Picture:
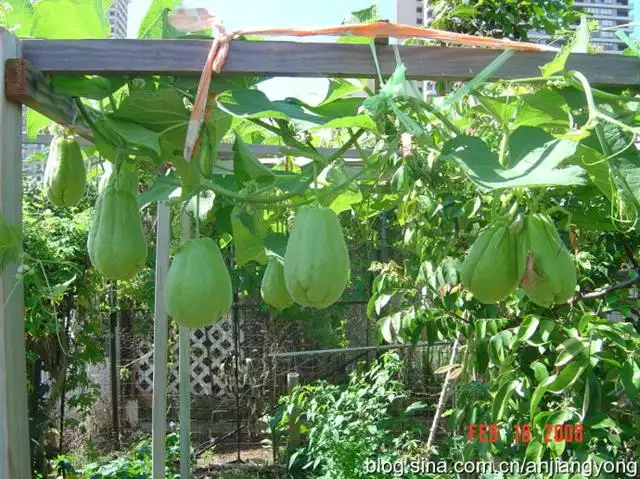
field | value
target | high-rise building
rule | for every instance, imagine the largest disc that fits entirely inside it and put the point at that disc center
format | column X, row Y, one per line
column 118, row 17
column 609, row 14
column 411, row 12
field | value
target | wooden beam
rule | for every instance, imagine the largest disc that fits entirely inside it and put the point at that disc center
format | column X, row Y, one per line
column 27, row 85
column 15, row 462
column 302, row 59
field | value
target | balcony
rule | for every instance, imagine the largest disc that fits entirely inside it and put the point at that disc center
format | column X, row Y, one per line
column 612, row 6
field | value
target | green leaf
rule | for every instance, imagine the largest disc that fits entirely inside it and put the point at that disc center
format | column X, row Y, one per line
column 246, row 165
column 544, row 108
column 163, row 188
column 502, row 398
column 630, row 377
column 249, row 231
column 578, row 44
column 534, row 451
column 537, row 168
column 94, row 87
column 254, row 104
column 390, row 327
column 345, row 200
column 568, row 376
column 153, row 24
column 162, row 111
column 536, row 397
column 400, row 179
column 480, row 78
column 359, row 121
column 569, row 350
column 59, row 289
column 36, row 122
column 498, row 347
column 19, row 17
column 11, row 238
column 275, row 245
column 82, row 19
column 415, row 407
column 132, row 133
column 583, row 36
column 528, row 328
column 202, row 205
column 539, row 371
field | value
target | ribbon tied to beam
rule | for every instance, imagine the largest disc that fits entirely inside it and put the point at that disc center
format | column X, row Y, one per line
column 201, row 19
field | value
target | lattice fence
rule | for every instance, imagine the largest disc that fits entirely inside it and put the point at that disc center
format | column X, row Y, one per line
column 210, row 347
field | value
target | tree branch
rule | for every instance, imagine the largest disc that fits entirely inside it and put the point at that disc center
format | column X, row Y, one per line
column 616, row 287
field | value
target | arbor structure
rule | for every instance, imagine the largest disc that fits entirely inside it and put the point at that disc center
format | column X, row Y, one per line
column 22, row 74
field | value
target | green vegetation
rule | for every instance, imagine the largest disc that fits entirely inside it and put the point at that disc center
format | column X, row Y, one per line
column 548, row 338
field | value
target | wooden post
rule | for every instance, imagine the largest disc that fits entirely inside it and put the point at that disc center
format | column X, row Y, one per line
column 185, row 380
column 15, row 462
column 160, row 345
column 294, row 426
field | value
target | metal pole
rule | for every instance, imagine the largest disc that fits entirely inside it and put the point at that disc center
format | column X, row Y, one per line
column 185, row 380
column 160, row 345
column 113, row 366
column 425, row 5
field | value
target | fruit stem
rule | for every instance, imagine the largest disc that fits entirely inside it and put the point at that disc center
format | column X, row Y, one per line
column 315, row 183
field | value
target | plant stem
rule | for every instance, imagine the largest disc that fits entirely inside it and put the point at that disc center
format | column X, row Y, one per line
column 443, row 395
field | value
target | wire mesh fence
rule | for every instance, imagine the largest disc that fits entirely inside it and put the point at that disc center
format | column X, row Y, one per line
column 239, row 370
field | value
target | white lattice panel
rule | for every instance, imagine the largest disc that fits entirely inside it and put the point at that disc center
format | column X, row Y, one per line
column 210, row 347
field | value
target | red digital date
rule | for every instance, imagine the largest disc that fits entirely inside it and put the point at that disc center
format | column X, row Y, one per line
column 489, row 433
column 552, row 433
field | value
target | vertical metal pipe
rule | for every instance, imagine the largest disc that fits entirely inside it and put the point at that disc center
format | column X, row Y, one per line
column 160, row 345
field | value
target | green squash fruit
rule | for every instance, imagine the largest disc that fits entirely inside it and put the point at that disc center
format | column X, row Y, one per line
column 117, row 245
column 273, row 288
column 316, row 262
column 495, row 263
column 65, row 176
column 197, row 290
column 551, row 273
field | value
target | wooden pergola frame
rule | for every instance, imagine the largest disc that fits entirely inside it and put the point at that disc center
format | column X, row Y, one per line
column 22, row 73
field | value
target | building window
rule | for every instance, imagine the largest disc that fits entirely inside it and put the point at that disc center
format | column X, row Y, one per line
column 419, row 21
column 419, row 9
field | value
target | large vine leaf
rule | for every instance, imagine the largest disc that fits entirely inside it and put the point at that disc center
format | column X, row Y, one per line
column 94, row 87
column 82, row 19
column 246, row 165
column 154, row 24
column 19, row 17
column 543, row 108
column 538, row 167
column 163, row 188
column 36, row 122
column 162, row 111
column 275, row 246
column 133, row 133
column 249, row 231
column 253, row 104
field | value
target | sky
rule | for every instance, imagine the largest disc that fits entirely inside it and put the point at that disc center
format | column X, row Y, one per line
column 238, row 14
